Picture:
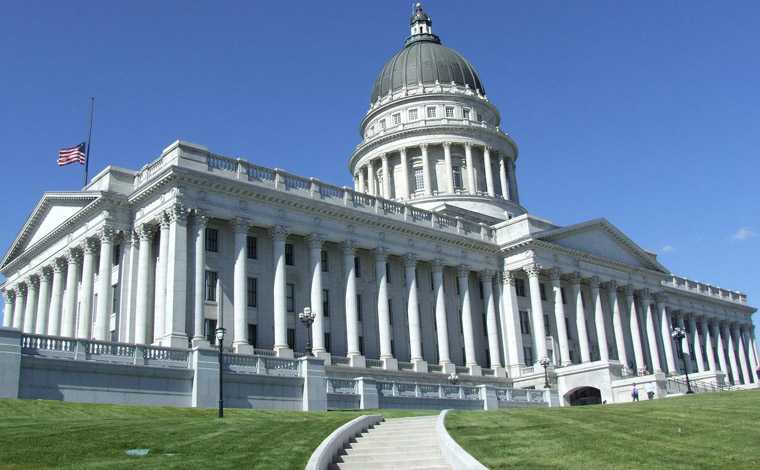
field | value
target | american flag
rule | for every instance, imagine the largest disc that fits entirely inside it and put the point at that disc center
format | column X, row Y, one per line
column 71, row 155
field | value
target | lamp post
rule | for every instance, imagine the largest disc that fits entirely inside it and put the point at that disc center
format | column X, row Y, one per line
column 544, row 361
column 307, row 318
column 453, row 378
column 220, row 337
column 678, row 335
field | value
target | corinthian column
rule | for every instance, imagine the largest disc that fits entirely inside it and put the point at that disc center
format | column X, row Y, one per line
column 503, row 177
column 68, row 326
column 315, row 241
column 741, row 352
column 362, row 182
column 471, row 182
column 489, row 171
column 279, row 234
column 142, row 332
column 537, row 310
column 449, row 167
column 444, row 356
column 638, row 349
column 486, row 280
column 559, row 317
column 714, row 328
column 513, row 345
column 514, row 195
column 708, row 343
column 404, row 173
column 580, row 317
column 201, row 219
column 695, row 341
column 33, row 286
column 463, row 274
column 240, row 228
column 386, row 176
column 175, row 326
column 43, row 302
column 56, row 298
column 10, row 300
column 685, row 352
column 371, row 178
column 103, row 315
column 19, row 306
column 159, row 300
column 383, row 315
column 731, row 351
column 415, row 336
column 646, row 307
column 617, row 323
column 667, row 339
column 426, row 170
column 601, row 331
column 352, row 316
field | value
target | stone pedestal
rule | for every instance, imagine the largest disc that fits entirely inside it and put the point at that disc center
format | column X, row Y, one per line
column 367, row 388
column 488, row 395
column 10, row 361
column 390, row 363
column 449, row 368
column 205, row 363
column 245, row 349
column 312, row 369
column 283, row 352
column 420, row 366
column 475, row 370
column 357, row 361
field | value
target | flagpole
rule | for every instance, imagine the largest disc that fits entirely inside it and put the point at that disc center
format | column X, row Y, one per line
column 89, row 137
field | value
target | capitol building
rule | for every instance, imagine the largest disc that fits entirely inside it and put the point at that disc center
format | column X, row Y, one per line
column 429, row 274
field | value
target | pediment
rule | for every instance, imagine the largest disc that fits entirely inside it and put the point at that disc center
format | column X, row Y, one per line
column 600, row 238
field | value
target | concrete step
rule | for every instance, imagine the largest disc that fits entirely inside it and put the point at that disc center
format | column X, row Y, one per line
column 399, row 435
column 362, row 450
column 381, row 441
column 418, row 464
column 386, row 456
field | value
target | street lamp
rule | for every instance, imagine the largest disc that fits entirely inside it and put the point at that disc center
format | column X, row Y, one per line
column 220, row 337
column 544, row 361
column 453, row 378
column 678, row 335
column 307, row 318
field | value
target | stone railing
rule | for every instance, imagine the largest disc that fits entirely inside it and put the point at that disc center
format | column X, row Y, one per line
column 705, row 289
column 342, row 386
column 407, row 389
column 405, row 365
column 264, row 365
column 520, row 394
column 374, row 363
column 340, row 361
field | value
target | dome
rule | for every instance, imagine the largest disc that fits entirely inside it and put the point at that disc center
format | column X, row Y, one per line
column 426, row 60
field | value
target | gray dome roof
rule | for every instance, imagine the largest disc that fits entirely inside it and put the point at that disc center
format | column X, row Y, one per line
column 425, row 59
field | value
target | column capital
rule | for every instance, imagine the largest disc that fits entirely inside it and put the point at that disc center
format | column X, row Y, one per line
column 33, row 282
column 46, row 273
column 90, row 246
column 555, row 274
column 200, row 217
column 660, row 297
column 643, row 294
column 744, row 327
column 240, row 225
column 21, row 290
column 629, row 290
column 468, row 145
column 74, row 256
column 575, row 278
column 59, row 265
column 381, row 254
column 384, row 157
column 508, row 277
column 446, row 145
column 402, row 151
column 734, row 325
column 349, row 247
column 146, row 232
column 610, row 286
column 163, row 220
column 533, row 270
column 279, row 233
column 107, row 234
column 701, row 318
column 9, row 294
column 315, row 240
column 409, row 260
column 487, row 148
column 486, row 275
column 724, row 324
column 424, row 146
column 437, row 265
column 594, row 282
column 463, row 271
column 688, row 316
column 712, row 321
column 130, row 237
column 177, row 213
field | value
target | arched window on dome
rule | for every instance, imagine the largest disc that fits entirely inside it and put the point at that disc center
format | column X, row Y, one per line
column 456, row 176
column 419, row 180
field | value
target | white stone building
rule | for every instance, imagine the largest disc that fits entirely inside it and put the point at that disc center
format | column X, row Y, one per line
column 429, row 265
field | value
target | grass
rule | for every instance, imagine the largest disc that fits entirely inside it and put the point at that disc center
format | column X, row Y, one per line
column 55, row 435
column 710, row 431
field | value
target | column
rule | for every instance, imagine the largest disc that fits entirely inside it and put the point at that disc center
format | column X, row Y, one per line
column 696, row 343
column 463, row 274
column 513, row 345
column 200, row 220
column 714, row 327
column 383, row 315
column 667, row 340
column 537, row 311
column 486, row 281
column 646, row 307
column 404, row 173
column 33, row 289
column 43, row 302
column 559, row 316
column 128, row 288
column 685, row 344
column 10, row 300
column 146, row 234
column 371, row 178
column 175, row 326
column 472, row 187
column 413, row 313
column 489, row 171
column 19, row 306
column 362, row 182
column 580, row 317
column 753, row 353
column 426, row 170
column 449, row 167
column 444, row 356
column 731, row 351
column 103, row 308
column 68, row 325
column 279, row 233
column 617, row 323
column 56, row 298
column 352, row 316
column 386, row 176
column 315, row 241
column 638, row 349
column 708, row 342
column 514, row 195
column 240, row 228
column 601, row 331
column 503, row 177
column 740, row 351
column 159, row 302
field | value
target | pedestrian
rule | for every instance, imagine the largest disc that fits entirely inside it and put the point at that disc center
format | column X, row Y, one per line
column 634, row 393
column 650, row 390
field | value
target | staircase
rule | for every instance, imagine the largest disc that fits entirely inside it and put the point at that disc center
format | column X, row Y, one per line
column 403, row 443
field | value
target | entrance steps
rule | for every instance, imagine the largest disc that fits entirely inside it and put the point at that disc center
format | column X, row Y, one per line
column 402, row 443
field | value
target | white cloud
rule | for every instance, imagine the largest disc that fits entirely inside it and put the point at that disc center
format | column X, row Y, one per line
column 667, row 249
column 743, row 234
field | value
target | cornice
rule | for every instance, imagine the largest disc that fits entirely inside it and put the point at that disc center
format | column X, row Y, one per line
column 674, row 293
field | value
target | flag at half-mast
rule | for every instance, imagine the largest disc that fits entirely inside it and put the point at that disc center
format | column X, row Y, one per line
column 72, row 155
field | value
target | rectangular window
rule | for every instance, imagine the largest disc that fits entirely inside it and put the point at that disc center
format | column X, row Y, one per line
column 413, row 114
column 326, row 302
column 116, row 255
column 542, row 288
column 357, row 267
column 419, row 180
column 456, row 174
column 289, row 254
column 465, row 114
column 359, row 307
column 449, row 111
column 431, row 112
column 290, row 292
column 253, row 292
column 212, row 239
column 396, row 119
column 209, row 332
column 382, row 124
column 291, row 338
column 252, row 247
column 480, row 118
column 562, row 292
column 524, row 322
column 253, row 335
column 528, row 353
column 211, row 277
column 325, row 262
column 115, row 297
column 520, row 287
column 327, row 342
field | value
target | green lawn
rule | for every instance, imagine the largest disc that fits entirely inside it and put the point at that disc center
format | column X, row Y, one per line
column 56, row 435
column 710, row 431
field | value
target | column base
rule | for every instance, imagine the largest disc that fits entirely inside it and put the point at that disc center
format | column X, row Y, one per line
column 357, row 360
column 475, row 370
column 420, row 365
column 513, row 370
column 448, row 368
column 243, row 348
column 390, row 363
column 499, row 372
column 285, row 352
column 175, row 340
column 201, row 342
column 324, row 355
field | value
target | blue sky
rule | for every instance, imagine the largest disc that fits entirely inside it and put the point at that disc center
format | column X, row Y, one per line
column 646, row 113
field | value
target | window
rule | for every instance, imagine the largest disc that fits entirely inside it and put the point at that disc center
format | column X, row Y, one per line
column 480, row 118
column 253, row 292
column 289, row 254
column 115, row 297
column 456, row 174
column 252, row 247
column 290, row 290
column 209, row 327
column 449, row 111
column 396, row 119
column 520, row 287
column 357, row 267
column 524, row 323
column 291, row 338
column 327, row 342
column 212, row 239
column 325, row 263
column 562, row 292
column 431, row 112
column 358, row 307
column 326, row 302
column 542, row 288
column 413, row 114
column 116, row 253
column 253, row 335
column 546, row 325
column 211, row 278
column 388, row 273
column 382, row 124
column 465, row 114
column 528, row 353
column 419, row 181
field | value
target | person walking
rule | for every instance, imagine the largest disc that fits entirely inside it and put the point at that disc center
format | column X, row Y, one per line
column 650, row 390
column 634, row 393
